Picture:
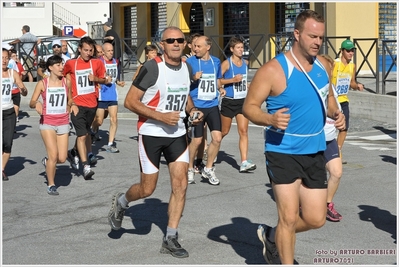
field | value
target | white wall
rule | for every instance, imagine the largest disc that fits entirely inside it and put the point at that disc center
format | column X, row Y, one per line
column 40, row 18
column 88, row 12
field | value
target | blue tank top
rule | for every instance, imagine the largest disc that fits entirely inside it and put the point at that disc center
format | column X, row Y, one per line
column 108, row 92
column 239, row 89
column 304, row 134
column 204, row 92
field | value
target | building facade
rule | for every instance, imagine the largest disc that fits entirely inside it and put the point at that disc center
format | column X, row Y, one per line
column 265, row 26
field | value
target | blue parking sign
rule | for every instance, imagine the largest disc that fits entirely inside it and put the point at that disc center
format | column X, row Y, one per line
column 68, row 30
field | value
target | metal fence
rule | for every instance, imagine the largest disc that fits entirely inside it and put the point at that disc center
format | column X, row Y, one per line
column 260, row 49
column 386, row 48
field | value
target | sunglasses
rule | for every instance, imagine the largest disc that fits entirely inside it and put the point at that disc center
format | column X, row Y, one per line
column 350, row 50
column 172, row 40
column 56, row 46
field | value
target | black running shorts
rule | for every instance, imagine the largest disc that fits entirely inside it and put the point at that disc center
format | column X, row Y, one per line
column 16, row 99
column 345, row 110
column 83, row 120
column 286, row 169
column 211, row 118
column 231, row 107
column 151, row 147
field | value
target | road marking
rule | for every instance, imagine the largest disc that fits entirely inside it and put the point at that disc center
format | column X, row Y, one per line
column 381, row 142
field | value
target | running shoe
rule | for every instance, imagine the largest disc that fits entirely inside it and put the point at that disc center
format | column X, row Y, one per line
column 270, row 252
column 205, row 156
column 171, row 246
column 191, row 176
column 112, row 149
column 92, row 159
column 332, row 214
column 211, row 176
column 44, row 161
column 74, row 160
column 247, row 166
column 5, row 177
column 199, row 167
column 87, row 172
column 116, row 213
column 52, row 190
column 95, row 137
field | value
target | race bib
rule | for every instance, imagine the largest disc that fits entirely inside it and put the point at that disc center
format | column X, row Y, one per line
column 56, row 100
column 207, row 87
column 240, row 88
column 83, row 85
column 112, row 70
column 6, row 90
column 343, row 84
column 176, row 99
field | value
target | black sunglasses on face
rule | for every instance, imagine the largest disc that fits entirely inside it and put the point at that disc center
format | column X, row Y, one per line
column 172, row 40
column 56, row 46
column 351, row 50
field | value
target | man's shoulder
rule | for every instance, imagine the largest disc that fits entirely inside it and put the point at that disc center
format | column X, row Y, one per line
column 215, row 59
column 191, row 60
column 65, row 57
column 151, row 64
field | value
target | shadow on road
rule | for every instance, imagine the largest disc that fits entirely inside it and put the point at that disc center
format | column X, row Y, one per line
column 239, row 235
column 382, row 219
column 143, row 216
column 387, row 158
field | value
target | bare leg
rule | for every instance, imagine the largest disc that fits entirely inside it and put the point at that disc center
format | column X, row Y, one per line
column 193, row 148
column 334, row 167
column 242, row 124
column 113, row 112
column 178, row 179
column 81, row 145
column 313, row 215
column 213, row 148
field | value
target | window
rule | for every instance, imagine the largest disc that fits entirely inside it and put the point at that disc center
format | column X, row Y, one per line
column 158, row 18
column 23, row 4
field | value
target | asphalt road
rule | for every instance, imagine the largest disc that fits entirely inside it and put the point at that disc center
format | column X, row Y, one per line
column 219, row 222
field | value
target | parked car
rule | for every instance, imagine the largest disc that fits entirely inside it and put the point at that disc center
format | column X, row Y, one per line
column 19, row 50
column 45, row 47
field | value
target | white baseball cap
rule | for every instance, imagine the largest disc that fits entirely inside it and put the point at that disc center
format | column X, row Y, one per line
column 56, row 42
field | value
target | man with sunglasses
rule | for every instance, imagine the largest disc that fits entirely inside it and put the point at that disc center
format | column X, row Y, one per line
column 344, row 77
column 160, row 96
column 57, row 50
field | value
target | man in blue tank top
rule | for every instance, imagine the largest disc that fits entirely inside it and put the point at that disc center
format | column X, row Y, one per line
column 298, row 96
column 205, row 91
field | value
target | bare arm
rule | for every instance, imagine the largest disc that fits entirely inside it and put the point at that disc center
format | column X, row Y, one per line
column 355, row 85
column 71, row 104
column 235, row 79
column 40, row 72
column 134, row 104
column 15, row 42
column 262, row 85
column 19, row 83
column 34, row 101
column 333, row 110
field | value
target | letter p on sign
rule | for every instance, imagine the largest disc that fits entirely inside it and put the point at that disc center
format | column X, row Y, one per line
column 68, row 30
